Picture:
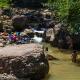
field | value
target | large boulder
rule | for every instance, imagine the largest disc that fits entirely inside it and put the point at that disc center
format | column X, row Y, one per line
column 19, row 22
column 24, row 61
column 50, row 35
column 62, row 37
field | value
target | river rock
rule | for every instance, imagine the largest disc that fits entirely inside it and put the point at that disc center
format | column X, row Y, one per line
column 19, row 22
column 24, row 61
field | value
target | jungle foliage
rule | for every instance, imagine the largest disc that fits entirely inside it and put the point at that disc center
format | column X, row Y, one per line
column 69, row 11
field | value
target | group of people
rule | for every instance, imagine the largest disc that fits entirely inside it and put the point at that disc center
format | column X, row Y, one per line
column 13, row 37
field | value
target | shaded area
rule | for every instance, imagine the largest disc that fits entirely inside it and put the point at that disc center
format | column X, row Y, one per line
column 27, row 3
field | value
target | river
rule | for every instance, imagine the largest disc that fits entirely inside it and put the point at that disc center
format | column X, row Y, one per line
column 63, row 68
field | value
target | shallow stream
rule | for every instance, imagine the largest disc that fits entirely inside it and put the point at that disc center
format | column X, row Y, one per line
column 63, row 68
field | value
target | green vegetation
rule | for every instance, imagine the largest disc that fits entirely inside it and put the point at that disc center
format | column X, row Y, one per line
column 60, row 6
column 74, row 17
column 4, row 3
column 69, row 11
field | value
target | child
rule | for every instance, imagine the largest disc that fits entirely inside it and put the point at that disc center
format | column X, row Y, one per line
column 74, row 56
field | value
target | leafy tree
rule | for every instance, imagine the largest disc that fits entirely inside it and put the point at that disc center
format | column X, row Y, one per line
column 74, row 17
column 61, row 7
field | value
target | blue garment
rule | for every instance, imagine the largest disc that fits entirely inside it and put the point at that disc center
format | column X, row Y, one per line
column 18, row 33
column 10, row 37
